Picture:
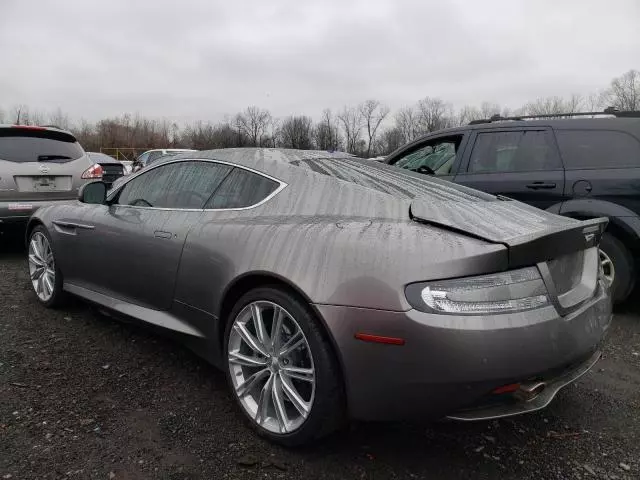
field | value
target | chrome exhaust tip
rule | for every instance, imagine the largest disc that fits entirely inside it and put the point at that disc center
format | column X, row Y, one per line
column 529, row 391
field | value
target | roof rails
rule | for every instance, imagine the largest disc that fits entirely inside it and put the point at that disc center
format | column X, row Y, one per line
column 606, row 111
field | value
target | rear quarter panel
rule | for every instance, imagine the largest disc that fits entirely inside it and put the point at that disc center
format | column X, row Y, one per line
column 363, row 258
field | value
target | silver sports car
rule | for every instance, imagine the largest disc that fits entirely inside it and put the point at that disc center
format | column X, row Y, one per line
column 328, row 287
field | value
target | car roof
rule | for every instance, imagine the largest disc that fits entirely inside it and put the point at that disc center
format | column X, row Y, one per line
column 559, row 123
column 293, row 165
column 629, row 125
column 249, row 155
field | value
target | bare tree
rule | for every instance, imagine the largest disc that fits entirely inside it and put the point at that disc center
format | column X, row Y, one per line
column 390, row 140
column 434, row 114
column 272, row 138
column 408, row 124
column 468, row 114
column 20, row 112
column 545, row 106
column 351, row 122
column 624, row 92
column 296, row 132
column 488, row 109
column 326, row 134
column 36, row 117
column 59, row 119
column 575, row 103
column 595, row 101
column 2, row 115
column 373, row 113
column 254, row 123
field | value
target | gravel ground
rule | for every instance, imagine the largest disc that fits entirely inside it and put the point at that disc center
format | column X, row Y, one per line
column 82, row 396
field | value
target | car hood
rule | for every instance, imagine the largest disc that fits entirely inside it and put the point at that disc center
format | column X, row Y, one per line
column 530, row 234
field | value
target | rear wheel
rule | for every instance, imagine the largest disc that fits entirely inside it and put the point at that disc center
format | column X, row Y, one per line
column 618, row 266
column 44, row 274
column 281, row 369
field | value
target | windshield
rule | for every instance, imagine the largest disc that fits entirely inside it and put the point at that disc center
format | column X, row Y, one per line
column 17, row 145
column 435, row 159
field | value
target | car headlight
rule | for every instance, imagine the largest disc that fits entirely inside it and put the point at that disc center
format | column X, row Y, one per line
column 505, row 292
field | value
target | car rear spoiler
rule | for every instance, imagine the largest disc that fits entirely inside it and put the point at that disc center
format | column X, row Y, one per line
column 530, row 235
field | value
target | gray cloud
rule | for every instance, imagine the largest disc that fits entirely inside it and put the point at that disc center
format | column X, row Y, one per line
column 200, row 59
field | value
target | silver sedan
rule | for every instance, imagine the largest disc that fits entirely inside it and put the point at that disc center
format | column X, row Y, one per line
column 328, row 287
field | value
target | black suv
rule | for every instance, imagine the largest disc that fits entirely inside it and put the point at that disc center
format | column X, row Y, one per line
column 577, row 167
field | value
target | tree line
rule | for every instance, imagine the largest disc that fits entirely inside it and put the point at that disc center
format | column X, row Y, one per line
column 367, row 129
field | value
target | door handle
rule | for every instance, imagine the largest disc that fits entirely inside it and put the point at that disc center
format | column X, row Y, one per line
column 540, row 185
column 162, row 234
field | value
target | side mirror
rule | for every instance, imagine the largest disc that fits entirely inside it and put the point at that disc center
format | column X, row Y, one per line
column 93, row 192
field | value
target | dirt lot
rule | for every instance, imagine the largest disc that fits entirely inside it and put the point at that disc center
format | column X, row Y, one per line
column 82, row 396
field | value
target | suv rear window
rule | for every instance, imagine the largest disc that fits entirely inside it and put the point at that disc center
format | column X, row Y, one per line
column 24, row 145
column 598, row 149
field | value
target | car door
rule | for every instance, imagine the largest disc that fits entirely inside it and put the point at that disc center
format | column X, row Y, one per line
column 439, row 156
column 520, row 163
column 602, row 164
column 131, row 248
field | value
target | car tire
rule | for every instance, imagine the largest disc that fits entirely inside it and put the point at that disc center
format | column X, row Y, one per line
column 38, row 246
column 614, row 251
column 326, row 407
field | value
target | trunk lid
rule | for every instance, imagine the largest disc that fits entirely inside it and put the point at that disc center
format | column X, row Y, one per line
column 530, row 235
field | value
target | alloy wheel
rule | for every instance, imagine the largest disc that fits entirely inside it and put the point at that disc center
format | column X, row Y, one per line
column 271, row 367
column 42, row 268
column 608, row 268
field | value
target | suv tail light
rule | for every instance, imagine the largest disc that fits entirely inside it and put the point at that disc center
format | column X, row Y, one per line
column 94, row 171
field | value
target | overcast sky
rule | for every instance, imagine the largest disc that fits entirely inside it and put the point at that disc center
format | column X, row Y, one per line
column 200, row 59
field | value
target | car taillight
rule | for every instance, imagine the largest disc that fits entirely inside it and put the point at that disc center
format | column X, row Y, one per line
column 504, row 292
column 94, row 171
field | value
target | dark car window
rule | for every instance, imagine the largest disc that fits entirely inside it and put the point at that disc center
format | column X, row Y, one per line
column 514, row 151
column 598, row 149
column 435, row 158
column 24, row 145
column 143, row 158
column 242, row 189
column 154, row 156
column 176, row 185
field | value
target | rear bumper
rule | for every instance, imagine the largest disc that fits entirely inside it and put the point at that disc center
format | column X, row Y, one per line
column 17, row 212
column 508, row 405
column 449, row 364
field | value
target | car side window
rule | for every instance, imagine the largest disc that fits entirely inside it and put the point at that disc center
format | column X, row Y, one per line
column 242, row 188
column 435, row 158
column 175, row 185
column 598, row 149
column 513, row 151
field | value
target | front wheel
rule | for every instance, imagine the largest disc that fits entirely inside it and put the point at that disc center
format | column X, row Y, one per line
column 618, row 267
column 44, row 274
column 281, row 369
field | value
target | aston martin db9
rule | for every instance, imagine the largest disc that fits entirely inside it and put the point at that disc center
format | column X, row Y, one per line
column 329, row 288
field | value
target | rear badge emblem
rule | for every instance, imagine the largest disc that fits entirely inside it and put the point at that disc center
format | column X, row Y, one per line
column 44, row 169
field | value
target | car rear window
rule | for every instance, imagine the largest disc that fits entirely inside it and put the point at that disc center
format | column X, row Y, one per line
column 23, row 145
column 598, row 149
column 241, row 189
